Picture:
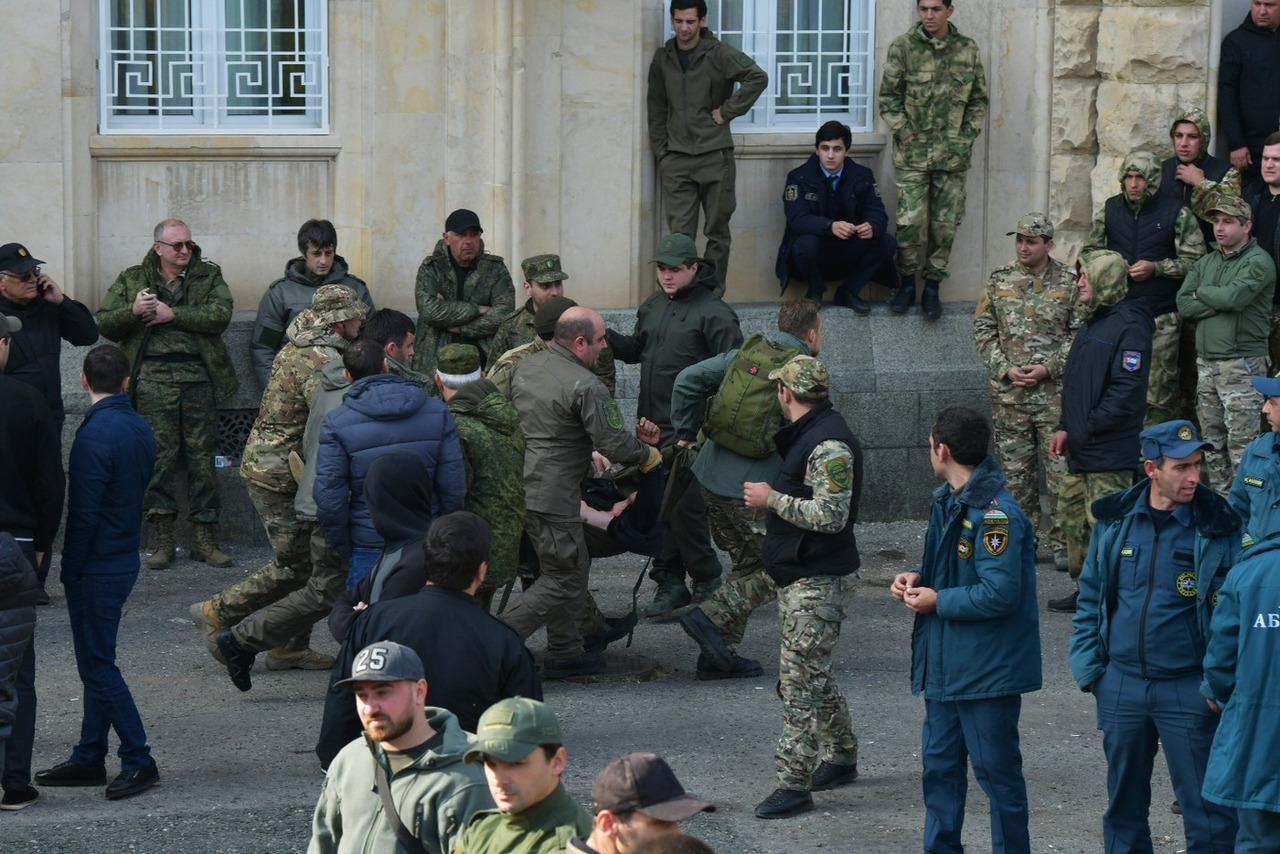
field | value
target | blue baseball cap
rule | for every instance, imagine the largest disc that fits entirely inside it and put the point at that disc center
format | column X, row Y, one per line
column 1270, row 386
column 1176, row 439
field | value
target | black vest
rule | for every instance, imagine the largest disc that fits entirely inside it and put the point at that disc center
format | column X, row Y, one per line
column 1214, row 170
column 1149, row 235
column 792, row 552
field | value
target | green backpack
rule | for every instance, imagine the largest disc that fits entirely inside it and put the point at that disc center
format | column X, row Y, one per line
column 745, row 413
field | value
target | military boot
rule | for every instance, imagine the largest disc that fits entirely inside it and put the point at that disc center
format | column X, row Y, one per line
column 671, row 595
column 205, row 548
column 162, row 552
column 904, row 295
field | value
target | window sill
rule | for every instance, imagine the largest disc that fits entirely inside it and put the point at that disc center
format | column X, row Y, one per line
column 206, row 147
column 770, row 146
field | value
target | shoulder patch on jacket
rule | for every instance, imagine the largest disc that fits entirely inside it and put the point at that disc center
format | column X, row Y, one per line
column 838, row 474
column 964, row 548
column 791, row 193
column 1131, row 360
column 612, row 414
column 996, row 540
column 995, row 516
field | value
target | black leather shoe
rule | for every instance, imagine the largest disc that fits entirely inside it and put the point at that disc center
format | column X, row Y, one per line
column 239, row 660
column 931, row 303
column 829, row 775
column 784, row 803
column 1065, row 605
column 72, row 774
column 845, row 299
column 130, row 783
column 743, row 668
column 615, row 628
column 904, row 296
column 587, row 664
column 698, row 626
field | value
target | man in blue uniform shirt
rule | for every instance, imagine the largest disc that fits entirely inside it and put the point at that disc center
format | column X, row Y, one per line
column 1159, row 552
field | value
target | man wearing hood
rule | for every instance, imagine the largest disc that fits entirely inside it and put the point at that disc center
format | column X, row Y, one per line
column 1104, row 388
column 493, row 454
column 1229, row 294
column 168, row 315
column 1193, row 175
column 1248, row 98
column 462, row 292
column 1159, row 239
column 315, row 336
column 682, row 324
column 291, row 294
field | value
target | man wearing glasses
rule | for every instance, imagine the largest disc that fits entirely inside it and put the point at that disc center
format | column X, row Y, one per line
column 168, row 314
column 48, row 318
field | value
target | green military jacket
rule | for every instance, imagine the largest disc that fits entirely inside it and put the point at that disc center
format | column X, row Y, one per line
column 203, row 310
column 1024, row 319
column 680, row 102
column 493, row 453
column 544, row 828
column 565, row 413
column 500, row 373
column 935, row 93
column 442, row 304
column 286, row 403
column 1229, row 296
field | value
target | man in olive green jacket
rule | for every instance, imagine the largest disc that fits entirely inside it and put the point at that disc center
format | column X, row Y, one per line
column 168, row 314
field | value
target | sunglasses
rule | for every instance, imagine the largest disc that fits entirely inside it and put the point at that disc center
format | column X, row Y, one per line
column 32, row 275
column 189, row 245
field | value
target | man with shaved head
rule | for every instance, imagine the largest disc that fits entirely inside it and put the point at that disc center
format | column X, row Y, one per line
column 565, row 413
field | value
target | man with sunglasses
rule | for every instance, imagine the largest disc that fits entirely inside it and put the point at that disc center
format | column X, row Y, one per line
column 168, row 314
column 48, row 318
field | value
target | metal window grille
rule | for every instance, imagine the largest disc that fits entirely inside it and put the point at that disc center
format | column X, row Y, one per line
column 213, row 66
column 819, row 55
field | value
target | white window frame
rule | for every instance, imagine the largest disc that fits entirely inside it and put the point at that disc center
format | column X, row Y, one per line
column 759, row 38
column 205, row 105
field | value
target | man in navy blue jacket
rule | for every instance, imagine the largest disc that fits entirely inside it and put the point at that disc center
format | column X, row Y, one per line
column 836, row 222
column 112, row 459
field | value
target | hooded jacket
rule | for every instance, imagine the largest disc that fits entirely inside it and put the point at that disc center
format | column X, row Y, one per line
column 434, row 796
column 1220, row 177
column 378, row 414
column 1104, row 384
column 285, row 299
column 18, row 591
column 1229, row 295
column 1153, row 228
column 1248, row 98
column 36, row 349
column 672, row 333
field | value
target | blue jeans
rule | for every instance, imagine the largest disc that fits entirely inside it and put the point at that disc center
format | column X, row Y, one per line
column 95, row 603
column 362, row 563
column 984, row 732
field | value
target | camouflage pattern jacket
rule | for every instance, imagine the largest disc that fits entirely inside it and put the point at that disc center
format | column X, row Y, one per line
column 286, row 404
column 203, row 311
column 1023, row 319
column 443, row 305
column 493, row 454
column 935, row 93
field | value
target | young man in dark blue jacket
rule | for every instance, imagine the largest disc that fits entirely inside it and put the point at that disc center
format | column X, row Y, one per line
column 112, row 459
column 836, row 222
column 975, row 648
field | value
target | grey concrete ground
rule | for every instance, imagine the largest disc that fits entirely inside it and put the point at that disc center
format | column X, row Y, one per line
column 239, row 774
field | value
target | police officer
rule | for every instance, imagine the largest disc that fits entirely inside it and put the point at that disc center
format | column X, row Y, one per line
column 1160, row 551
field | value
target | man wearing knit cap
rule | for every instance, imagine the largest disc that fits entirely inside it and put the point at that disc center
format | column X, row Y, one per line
column 636, row 797
column 544, row 325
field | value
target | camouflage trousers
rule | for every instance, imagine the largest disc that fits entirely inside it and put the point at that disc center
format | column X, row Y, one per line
column 287, row 621
column 814, row 714
column 1171, row 381
column 1228, row 407
column 930, row 209
column 706, row 181
column 738, row 531
column 1075, row 509
column 288, row 571
column 183, row 419
column 1022, row 434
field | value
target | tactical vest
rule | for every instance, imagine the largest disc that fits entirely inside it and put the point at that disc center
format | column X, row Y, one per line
column 1149, row 235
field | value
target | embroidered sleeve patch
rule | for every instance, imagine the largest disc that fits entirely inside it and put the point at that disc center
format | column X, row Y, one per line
column 838, row 474
column 1131, row 360
column 964, row 548
column 995, row 516
column 791, row 193
column 1255, row 482
column 1246, row 540
column 612, row 414
column 996, row 540
column 1187, row 583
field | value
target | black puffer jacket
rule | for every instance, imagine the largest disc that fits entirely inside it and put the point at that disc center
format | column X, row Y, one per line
column 18, row 589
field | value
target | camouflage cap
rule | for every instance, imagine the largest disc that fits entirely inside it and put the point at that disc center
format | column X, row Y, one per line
column 1231, row 206
column 543, row 268
column 548, row 314
column 9, row 325
column 804, row 375
column 675, row 249
column 457, row 359
column 1033, row 225
column 513, row 728
column 336, row 303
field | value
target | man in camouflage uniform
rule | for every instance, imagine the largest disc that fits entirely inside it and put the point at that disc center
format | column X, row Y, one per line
column 1228, row 293
column 1160, row 239
column 493, row 453
column 315, row 336
column 933, row 96
column 1192, row 175
column 1023, row 328
column 462, row 292
column 168, row 314
column 565, row 413
column 544, row 327
column 737, row 528
column 810, row 510
column 543, row 279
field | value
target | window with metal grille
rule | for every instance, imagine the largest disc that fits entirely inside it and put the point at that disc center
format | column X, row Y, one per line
column 819, row 55
column 213, row 66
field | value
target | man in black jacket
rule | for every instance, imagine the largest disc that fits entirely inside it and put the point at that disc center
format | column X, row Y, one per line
column 1248, row 98
column 1104, row 390
column 472, row 658
column 836, row 222
column 1192, row 175
column 1263, row 196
